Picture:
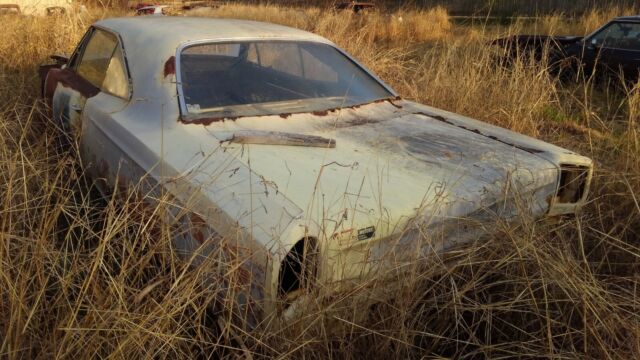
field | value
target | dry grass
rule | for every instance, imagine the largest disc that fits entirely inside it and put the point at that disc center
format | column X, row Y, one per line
column 399, row 26
column 84, row 277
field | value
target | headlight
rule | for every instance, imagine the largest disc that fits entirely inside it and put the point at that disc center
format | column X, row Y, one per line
column 573, row 184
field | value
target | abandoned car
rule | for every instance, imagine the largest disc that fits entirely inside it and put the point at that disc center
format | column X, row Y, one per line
column 278, row 142
column 355, row 6
column 612, row 49
column 153, row 10
column 36, row 7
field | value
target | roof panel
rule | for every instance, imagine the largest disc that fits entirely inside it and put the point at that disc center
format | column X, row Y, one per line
column 177, row 30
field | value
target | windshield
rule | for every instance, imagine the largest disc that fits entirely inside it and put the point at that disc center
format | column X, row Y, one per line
column 271, row 77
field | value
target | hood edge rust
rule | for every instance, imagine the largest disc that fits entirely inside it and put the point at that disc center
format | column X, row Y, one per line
column 206, row 121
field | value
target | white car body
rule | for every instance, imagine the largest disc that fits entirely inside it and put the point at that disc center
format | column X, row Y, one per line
column 397, row 181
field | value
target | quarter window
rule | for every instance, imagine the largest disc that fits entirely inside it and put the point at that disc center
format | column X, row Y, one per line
column 102, row 64
column 115, row 81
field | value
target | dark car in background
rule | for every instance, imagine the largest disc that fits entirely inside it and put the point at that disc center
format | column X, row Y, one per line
column 613, row 49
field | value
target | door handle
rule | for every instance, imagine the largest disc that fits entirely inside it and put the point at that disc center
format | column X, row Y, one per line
column 75, row 107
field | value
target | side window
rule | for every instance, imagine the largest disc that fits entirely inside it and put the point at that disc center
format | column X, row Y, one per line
column 102, row 64
column 116, row 81
column 619, row 36
column 96, row 57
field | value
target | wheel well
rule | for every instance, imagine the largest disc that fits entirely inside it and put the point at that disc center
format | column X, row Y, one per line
column 298, row 267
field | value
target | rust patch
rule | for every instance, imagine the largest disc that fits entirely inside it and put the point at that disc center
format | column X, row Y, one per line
column 170, row 66
column 69, row 79
column 209, row 120
column 321, row 113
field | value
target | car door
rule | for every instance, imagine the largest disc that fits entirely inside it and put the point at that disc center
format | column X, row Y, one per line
column 616, row 49
column 88, row 93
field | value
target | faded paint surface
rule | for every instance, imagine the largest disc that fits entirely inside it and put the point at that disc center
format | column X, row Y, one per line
column 170, row 66
column 426, row 179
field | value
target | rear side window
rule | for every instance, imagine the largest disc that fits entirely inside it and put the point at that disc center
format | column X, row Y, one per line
column 619, row 35
column 102, row 64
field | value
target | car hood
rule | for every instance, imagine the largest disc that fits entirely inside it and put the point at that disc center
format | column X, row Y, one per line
column 383, row 167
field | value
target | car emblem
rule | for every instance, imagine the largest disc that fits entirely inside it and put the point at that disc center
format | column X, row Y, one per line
column 366, row 233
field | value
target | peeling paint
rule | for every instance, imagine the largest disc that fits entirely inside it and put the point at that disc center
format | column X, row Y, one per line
column 210, row 120
column 206, row 121
column 170, row 66
column 321, row 113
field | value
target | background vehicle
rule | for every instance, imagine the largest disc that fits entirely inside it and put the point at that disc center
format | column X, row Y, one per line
column 153, row 10
column 614, row 48
column 37, row 7
column 355, row 6
column 178, row 5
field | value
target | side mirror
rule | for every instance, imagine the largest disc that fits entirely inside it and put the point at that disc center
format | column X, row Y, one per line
column 59, row 59
column 594, row 44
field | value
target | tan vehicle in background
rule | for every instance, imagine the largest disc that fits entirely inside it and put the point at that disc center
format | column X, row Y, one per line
column 35, row 7
column 176, row 5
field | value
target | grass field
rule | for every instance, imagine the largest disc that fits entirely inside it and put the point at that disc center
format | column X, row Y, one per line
column 84, row 277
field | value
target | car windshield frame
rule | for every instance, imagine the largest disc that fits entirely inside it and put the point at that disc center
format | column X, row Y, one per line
column 266, row 109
